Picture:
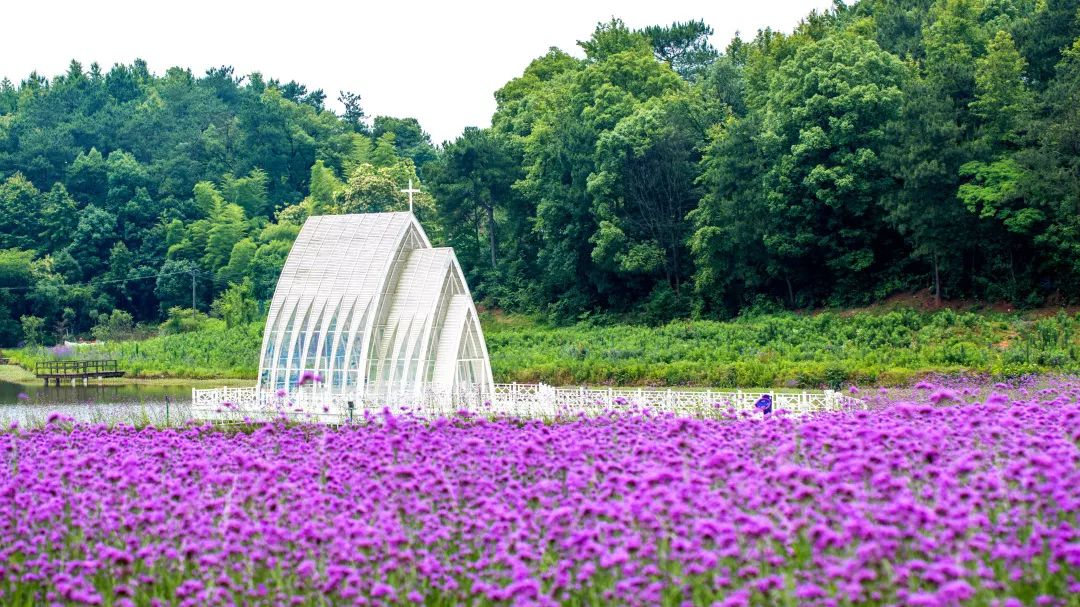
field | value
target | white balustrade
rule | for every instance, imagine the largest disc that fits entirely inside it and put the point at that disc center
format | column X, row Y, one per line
column 513, row 400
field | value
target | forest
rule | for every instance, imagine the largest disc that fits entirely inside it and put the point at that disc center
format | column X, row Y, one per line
column 882, row 147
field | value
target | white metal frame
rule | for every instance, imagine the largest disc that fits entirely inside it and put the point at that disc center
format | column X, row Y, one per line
column 365, row 302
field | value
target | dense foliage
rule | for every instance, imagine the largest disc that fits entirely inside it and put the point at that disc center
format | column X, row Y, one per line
column 912, row 503
column 885, row 146
column 132, row 191
column 785, row 350
column 824, row 350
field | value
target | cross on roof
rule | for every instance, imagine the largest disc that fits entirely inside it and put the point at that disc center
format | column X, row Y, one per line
column 410, row 191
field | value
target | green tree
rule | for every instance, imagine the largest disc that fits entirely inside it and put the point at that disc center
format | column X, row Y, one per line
column 207, row 198
column 643, row 188
column 239, row 266
column 174, row 285
column 924, row 156
column 59, row 214
column 237, row 305
column 116, row 326
column 324, row 188
column 227, row 227
column 827, row 109
column 249, row 192
column 953, row 39
column 1051, row 181
column 473, row 182
column 266, row 267
column 385, row 152
column 15, row 279
column 354, row 112
column 728, row 246
column 124, row 175
column 409, row 141
column 372, row 189
column 683, row 45
column 93, row 239
column 33, row 330
column 20, row 206
column 1045, row 35
column 121, row 270
column 88, row 177
column 1002, row 99
column 560, row 155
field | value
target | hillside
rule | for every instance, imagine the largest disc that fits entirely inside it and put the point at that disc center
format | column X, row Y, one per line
column 880, row 147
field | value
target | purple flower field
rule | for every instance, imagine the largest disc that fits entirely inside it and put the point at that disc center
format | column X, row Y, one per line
column 936, row 501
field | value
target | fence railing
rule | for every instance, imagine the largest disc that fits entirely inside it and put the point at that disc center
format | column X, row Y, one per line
column 514, row 400
column 76, row 367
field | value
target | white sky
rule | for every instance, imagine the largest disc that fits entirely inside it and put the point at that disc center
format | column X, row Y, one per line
column 438, row 61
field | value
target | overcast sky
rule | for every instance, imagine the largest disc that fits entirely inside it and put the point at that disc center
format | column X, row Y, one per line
column 437, row 61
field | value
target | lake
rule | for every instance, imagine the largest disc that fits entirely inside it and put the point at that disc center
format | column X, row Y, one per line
column 31, row 405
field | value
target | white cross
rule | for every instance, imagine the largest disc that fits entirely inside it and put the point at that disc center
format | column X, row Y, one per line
column 410, row 192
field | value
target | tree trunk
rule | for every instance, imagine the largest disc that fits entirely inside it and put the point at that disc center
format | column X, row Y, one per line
column 491, row 232
column 1012, row 275
column 937, row 282
column 675, row 265
column 790, row 291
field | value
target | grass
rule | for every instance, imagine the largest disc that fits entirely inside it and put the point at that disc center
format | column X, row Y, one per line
column 16, row 375
column 785, row 350
column 828, row 349
column 213, row 353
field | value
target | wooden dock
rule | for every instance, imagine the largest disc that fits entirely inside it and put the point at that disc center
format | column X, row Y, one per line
column 74, row 370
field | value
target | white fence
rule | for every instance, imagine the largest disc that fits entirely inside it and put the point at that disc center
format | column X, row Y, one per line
column 515, row 400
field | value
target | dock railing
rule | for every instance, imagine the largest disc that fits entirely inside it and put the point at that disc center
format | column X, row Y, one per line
column 76, row 368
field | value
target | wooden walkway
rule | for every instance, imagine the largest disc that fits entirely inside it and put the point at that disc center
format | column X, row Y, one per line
column 73, row 370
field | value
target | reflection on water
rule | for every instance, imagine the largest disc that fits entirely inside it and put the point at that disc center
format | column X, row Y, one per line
column 130, row 403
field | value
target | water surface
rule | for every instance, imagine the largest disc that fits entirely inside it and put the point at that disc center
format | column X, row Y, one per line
column 31, row 405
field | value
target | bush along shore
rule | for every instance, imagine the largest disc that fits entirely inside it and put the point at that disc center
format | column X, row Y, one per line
column 213, row 352
column 828, row 349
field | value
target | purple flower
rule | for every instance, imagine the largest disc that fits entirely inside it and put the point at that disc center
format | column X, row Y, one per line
column 23, row 396
column 380, row 590
column 809, row 591
column 956, row 591
column 944, row 394
column 903, row 503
